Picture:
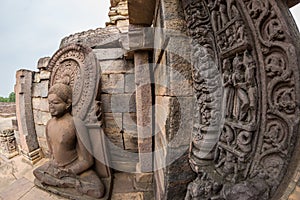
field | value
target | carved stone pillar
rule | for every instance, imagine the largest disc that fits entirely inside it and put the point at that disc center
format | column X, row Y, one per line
column 29, row 146
column 144, row 110
column 141, row 43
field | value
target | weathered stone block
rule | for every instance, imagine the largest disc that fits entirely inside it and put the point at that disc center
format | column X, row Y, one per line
column 130, row 141
column 40, row 130
column 114, row 3
column 112, row 83
column 129, row 122
column 128, row 196
column 41, row 118
column 123, row 183
column 36, row 78
column 117, row 17
column 40, row 104
column 118, row 103
column 174, row 119
column 43, row 62
column 113, row 120
column 123, row 11
column 116, row 66
column 109, row 53
column 179, row 49
column 115, row 137
column 176, row 24
column 144, row 178
column 44, row 146
column 127, row 165
column 40, row 89
column 174, row 78
column 123, row 160
column 162, row 78
column 162, row 113
column 129, row 83
column 46, row 116
column 123, row 25
column 180, row 121
column 45, row 75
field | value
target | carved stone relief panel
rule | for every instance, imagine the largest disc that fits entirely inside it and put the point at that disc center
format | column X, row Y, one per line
column 75, row 65
column 8, row 145
column 245, row 130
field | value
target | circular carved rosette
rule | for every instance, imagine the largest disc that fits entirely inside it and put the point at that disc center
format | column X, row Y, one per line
column 252, row 46
column 76, row 65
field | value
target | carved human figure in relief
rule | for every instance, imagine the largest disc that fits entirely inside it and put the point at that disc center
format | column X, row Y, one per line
column 241, row 100
column 228, row 88
column 70, row 163
column 218, row 13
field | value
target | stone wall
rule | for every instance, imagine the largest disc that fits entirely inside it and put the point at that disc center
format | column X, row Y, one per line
column 174, row 100
column 118, row 98
column 118, row 15
column 7, row 109
column 40, row 103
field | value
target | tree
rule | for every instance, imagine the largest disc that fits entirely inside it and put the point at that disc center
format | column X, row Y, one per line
column 3, row 99
column 12, row 97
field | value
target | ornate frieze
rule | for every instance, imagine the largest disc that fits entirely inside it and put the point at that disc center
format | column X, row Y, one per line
column 245, row 132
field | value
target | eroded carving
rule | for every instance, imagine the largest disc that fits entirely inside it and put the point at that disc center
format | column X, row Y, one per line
column 253, row 53
column 8, row 145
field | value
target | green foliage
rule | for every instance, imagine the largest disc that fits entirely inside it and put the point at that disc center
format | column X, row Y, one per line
column 10, row 98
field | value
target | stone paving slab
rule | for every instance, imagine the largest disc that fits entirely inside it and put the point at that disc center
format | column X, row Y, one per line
column 17, row 189
column 38, row 194
column 17, row 183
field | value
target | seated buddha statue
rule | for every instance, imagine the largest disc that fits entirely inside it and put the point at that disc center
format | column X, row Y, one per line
column 70, row 165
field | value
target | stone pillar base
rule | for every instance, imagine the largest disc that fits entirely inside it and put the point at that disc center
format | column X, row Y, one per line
column 32, row 157
column 9, row 155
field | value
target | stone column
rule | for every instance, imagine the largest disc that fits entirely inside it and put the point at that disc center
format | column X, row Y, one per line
column 29, row 146
column 144, row 110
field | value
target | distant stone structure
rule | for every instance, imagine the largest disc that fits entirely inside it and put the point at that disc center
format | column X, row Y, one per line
column 198, row 97
column 7, row 109
column 8, row 128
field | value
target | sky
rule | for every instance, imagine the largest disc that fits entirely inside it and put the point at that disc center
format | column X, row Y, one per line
column 32, row 29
